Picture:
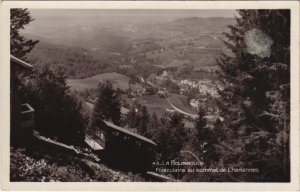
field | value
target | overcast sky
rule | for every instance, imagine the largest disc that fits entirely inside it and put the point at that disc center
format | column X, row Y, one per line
column 93, row 13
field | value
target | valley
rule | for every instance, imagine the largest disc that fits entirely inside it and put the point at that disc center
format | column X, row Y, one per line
column 169, row 55
column 162, row 71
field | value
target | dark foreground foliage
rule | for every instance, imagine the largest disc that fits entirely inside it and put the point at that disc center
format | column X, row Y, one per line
column 58, row 112
column 44, row 165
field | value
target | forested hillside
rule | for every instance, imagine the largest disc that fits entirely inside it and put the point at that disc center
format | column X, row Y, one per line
column 75, row 62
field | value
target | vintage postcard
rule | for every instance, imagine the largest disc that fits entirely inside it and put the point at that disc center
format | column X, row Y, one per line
column 150, row 95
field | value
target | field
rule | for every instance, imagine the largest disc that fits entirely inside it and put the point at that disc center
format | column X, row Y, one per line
column 160, row 106
column 176, row 63
column 118, row 80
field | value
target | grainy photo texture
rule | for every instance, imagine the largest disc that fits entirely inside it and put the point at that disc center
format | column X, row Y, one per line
column 150, row 95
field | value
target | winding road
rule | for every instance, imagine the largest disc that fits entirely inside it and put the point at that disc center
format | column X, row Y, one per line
column 181, row 111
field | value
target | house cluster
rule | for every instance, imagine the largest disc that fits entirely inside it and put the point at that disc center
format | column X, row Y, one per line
column 136, row 93
column 161, row 79
column 150, row 88
column 209, row 109
column 204, row 87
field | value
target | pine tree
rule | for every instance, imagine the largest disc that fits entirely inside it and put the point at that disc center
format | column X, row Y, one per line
column 255, row 101
column 170, row 137
column 19, row 45
column 200, row 127
column 131, row 117
column 144, row 120
column 244, row 72
column 205, row 139
column 107, row 106
column 153, row 126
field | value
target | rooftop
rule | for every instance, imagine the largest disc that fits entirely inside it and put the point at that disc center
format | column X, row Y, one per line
column 92, row 143
column 111, row 125
column 20, row 62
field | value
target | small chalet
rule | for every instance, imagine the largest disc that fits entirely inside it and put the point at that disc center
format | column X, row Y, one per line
column 22, row 114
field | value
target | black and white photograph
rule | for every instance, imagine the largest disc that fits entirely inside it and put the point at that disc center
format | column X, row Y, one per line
column 150, row 95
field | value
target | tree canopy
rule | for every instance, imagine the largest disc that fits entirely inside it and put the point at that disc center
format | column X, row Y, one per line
column 58, row 113
column 255, row 101
column 170, row 137
column 107, row 106
column 19, row 45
